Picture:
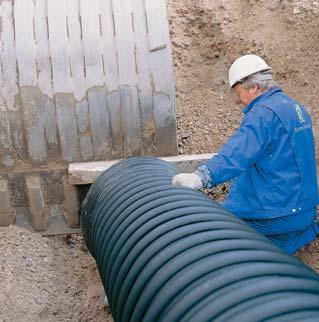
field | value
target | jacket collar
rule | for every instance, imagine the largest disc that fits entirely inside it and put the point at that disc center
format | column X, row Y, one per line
column 261, row 98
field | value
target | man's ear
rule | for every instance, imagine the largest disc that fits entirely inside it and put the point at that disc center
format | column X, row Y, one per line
column 254, row 89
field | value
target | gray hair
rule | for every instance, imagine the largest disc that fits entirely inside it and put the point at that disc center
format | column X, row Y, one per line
column 263, row 80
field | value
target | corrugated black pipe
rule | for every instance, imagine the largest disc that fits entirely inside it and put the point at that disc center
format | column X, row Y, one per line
column 171, row 254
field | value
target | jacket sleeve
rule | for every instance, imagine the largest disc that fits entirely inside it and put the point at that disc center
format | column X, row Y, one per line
column 244, row 148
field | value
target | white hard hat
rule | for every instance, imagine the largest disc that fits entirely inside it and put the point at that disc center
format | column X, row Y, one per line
column 245, row 66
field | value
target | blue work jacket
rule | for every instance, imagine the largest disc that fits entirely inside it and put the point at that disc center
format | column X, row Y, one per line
column 270, row 159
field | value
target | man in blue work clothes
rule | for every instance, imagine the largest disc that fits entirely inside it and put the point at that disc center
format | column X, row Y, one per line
column 270, row 160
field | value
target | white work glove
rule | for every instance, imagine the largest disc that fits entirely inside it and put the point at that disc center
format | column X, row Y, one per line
column 106, row 301
column 190, row 180
column 104, row 298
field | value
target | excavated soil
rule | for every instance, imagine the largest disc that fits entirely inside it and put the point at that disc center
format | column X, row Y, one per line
column 48, row 279
column 55, row 279
column 209, row 35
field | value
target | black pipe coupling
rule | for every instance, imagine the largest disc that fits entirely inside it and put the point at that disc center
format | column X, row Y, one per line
column 169, row 253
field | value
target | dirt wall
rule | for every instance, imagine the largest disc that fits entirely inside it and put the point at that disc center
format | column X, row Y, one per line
column 209, row 35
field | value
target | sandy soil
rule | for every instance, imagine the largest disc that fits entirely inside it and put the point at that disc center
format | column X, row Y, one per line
column 55, row 279
column 48, row 279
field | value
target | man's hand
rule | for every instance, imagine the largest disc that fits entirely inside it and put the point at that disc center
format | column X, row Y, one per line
column 190, row 180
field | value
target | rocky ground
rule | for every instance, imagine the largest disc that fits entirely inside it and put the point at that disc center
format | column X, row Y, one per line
column 55, row 279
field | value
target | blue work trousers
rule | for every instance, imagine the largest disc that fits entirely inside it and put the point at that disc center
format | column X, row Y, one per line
column 289, row 232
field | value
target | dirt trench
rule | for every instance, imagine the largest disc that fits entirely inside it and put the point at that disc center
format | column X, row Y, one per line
column 55, row 279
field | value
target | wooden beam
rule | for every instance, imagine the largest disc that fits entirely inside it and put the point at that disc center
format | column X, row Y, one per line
column 87, row 172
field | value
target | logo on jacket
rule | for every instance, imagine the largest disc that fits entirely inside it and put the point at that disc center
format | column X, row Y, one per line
column 299, row 113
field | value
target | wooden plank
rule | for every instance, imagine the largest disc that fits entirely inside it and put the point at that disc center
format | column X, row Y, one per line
column 111, row 77
column 97, row 97
column 161, row 60
column 87, row 172
column 83, row 118
column 50, row 127
column 7, row 214
column 5, row 139
column 100, row 124
column 76, row 50
column 45, row 78
column 31, row 102
column 109, row 46
column 2, row 99
column 79, row 81
column 10, row 83
column 6, row 157
column 10, row 89
column 39, row 213
column 86, row 146
column 157, row 30
column 166, row 142
column 62, row 81
column 144, row 80
column 92, row 42
column 82, row 112
column 162, row 76
column 125, row 43
column 25, row 47
column 68, row 128
column 19, row 148
column 59, row 48
column 33, row 118
column 116, row 123
column 38, row 110
column 42, row 49
column 131, row 121
column 70, row 204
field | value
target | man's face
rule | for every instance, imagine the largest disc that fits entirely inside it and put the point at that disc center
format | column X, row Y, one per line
column 246, row 96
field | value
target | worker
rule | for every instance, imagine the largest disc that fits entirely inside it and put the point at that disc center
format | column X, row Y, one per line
column 270, row 160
